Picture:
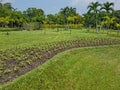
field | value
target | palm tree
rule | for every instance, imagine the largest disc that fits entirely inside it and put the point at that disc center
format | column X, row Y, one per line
column 109, row 20
column 94, row 7
column 66, row 12
column 108, row 7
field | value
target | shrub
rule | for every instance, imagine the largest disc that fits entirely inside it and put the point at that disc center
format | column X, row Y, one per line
column 9, row 29
column 7, row 71
column 72, row 26
column 16, row 68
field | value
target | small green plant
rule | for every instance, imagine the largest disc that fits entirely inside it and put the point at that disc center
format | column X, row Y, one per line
column 28, row 62
column 18, row 58
column 40, row 56
column 22, row 63
column 36, row 54
column 34, row 58
column 0, row 73
column 16, row 69
column 7, row 71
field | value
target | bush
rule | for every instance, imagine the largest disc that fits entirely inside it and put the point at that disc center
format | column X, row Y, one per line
column 32, row 26
column 75, row 26
column 9, row 29
column 72, row 26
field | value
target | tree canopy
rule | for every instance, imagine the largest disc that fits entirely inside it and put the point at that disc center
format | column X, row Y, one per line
column 11, row 17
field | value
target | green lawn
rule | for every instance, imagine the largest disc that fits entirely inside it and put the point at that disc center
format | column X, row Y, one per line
column 28, row 38
column 95, row 68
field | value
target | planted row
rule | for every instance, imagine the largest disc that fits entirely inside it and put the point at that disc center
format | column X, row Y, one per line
column 15, row 62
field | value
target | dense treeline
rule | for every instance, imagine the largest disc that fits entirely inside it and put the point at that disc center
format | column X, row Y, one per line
column 98, row 16
column 102, row 15
column 10, row 17
column 33, row 17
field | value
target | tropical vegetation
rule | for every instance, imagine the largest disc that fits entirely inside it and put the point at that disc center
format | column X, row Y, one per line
column 62, row 51
column 98, row 15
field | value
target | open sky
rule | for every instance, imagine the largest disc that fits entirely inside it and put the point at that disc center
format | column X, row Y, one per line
column 53, row 6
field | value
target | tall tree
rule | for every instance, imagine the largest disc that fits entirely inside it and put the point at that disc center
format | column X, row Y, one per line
column 0, row 4
column 34, row 15
column 59, row 19
column 16, row 19
column 78, row 19
column 71, row 19
column 66, row 12
column 109, row 21
column 8, row 6
column 117, row 15
column 94, row 7
column 51, row 19
column 89, row 20
column 108, row 7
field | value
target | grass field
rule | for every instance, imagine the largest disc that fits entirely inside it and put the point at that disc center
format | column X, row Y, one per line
column 92, row 68
column 95, row 68
column 28, row 38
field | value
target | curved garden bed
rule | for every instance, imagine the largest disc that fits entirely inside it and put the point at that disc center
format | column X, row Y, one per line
column 16, row 62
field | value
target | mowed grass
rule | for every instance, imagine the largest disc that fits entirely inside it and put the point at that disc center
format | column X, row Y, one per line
column 95, row 68
column 28, row 38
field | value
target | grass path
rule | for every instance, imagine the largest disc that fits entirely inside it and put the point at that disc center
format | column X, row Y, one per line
column 96, row 68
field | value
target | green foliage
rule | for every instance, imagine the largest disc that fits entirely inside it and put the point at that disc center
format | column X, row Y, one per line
column 7, row 71
column 72, row 26
column 9, row 17
column 108, row 7
column 66, row 12
column 28, row 62
column 97, row 12
column 109, row 20
column 16, row 68
column 75, row 26
column 34, row 18
column 34, row 15
column 32, row 26
column 118, row 25
column 94, row 7
column 9, row 29
column 117, row 15
column 51, row 19
column 22, row 63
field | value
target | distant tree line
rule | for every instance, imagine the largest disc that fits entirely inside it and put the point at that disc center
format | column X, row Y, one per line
column 98, row 15
column 11, row 17
column 102, row 15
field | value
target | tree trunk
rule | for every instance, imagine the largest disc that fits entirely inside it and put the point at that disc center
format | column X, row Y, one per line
column 96, row 22
column 118, row 32
column 108, row 29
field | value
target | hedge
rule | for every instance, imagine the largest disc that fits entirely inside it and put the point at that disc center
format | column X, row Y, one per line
column 9, row 29
column 72, row 26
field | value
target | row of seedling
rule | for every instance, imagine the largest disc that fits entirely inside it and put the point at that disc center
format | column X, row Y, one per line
column 12, row 60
